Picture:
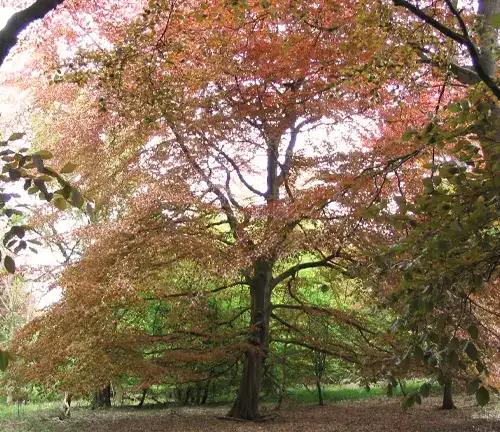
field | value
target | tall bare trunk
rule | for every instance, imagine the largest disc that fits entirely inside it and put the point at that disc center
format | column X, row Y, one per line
column 320, row 393
column 66, row 408
column 282, row 387
column 448, row 396
column 143, row 398
column 247, row 403
column 102, row 398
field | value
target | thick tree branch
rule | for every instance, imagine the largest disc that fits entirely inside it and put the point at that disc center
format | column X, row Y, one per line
column 238, row 172
column 457, row 37
column 194, row 293
column 317, row 349
column 224, row 201
column 321, row 310
column 20, row 21
column 463, row 39
column 286, row 324
column 325, row 262
column 287, row 164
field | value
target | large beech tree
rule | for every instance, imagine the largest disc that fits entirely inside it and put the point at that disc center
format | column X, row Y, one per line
column 206, row 131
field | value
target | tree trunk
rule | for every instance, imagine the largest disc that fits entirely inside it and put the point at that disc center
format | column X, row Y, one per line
column 66, row 408
column 319, row 368
column 448, row 396
column 187, row 393
column 282, row 387
column 143, row 398
column 102, row 398
column 320, row 393
column 246, row 405
column 206, row 392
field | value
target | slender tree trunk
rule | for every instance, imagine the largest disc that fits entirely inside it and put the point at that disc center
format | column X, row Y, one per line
column 106, row 392
column 143, row 398
column 448, row 396
column 282, row 387
column 320, row 393
column 102, row 398
column 187, row 393
column 319, row 367
column 206, row 392
column 246, row 405
column 66, row 408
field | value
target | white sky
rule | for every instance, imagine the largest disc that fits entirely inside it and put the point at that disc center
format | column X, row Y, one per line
column 11, row 121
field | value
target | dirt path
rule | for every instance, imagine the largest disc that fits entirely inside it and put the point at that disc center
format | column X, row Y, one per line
column 370, row 416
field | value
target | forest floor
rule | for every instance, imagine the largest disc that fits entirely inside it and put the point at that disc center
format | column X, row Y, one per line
column 376, row 415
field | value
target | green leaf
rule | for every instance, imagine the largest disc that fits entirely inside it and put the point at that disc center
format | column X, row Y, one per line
column 76, row 198
column 473, row 386
column 60, row 203
column 442, row 321
column 436, row 180
column 44, row 154
column 482, row 396
column 480, row 367
column 68, row 168
column 4, row 360
column 407, row 136
column 428, row 182
column 9, row 264
column 16, row 136
column 454, row 107
column 471, row 351
column 444, row 245
column 418, row 353
column 473, row 331
column 425, row 389
column 494, row 20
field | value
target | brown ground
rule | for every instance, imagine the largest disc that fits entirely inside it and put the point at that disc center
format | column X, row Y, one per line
column 370, row 415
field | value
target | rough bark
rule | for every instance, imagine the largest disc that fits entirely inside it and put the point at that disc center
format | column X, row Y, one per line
column 448, row 396
column 246, row 405
column 20, row 21
column 102, row 398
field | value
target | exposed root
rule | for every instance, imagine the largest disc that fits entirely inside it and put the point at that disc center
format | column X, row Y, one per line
column 263, row 418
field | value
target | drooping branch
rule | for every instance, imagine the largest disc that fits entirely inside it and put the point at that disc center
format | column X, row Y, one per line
column 224, row 201
column 326, row 311
column 286, row 324
column 292, row 271
column 238, row 172
column 457, row 37
column 194, row 293
column 20, row 21
column 317, row 349
column 289, row 152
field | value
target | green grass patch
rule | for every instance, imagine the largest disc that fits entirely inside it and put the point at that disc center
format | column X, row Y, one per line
column 15, row 411
column 303, row 395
